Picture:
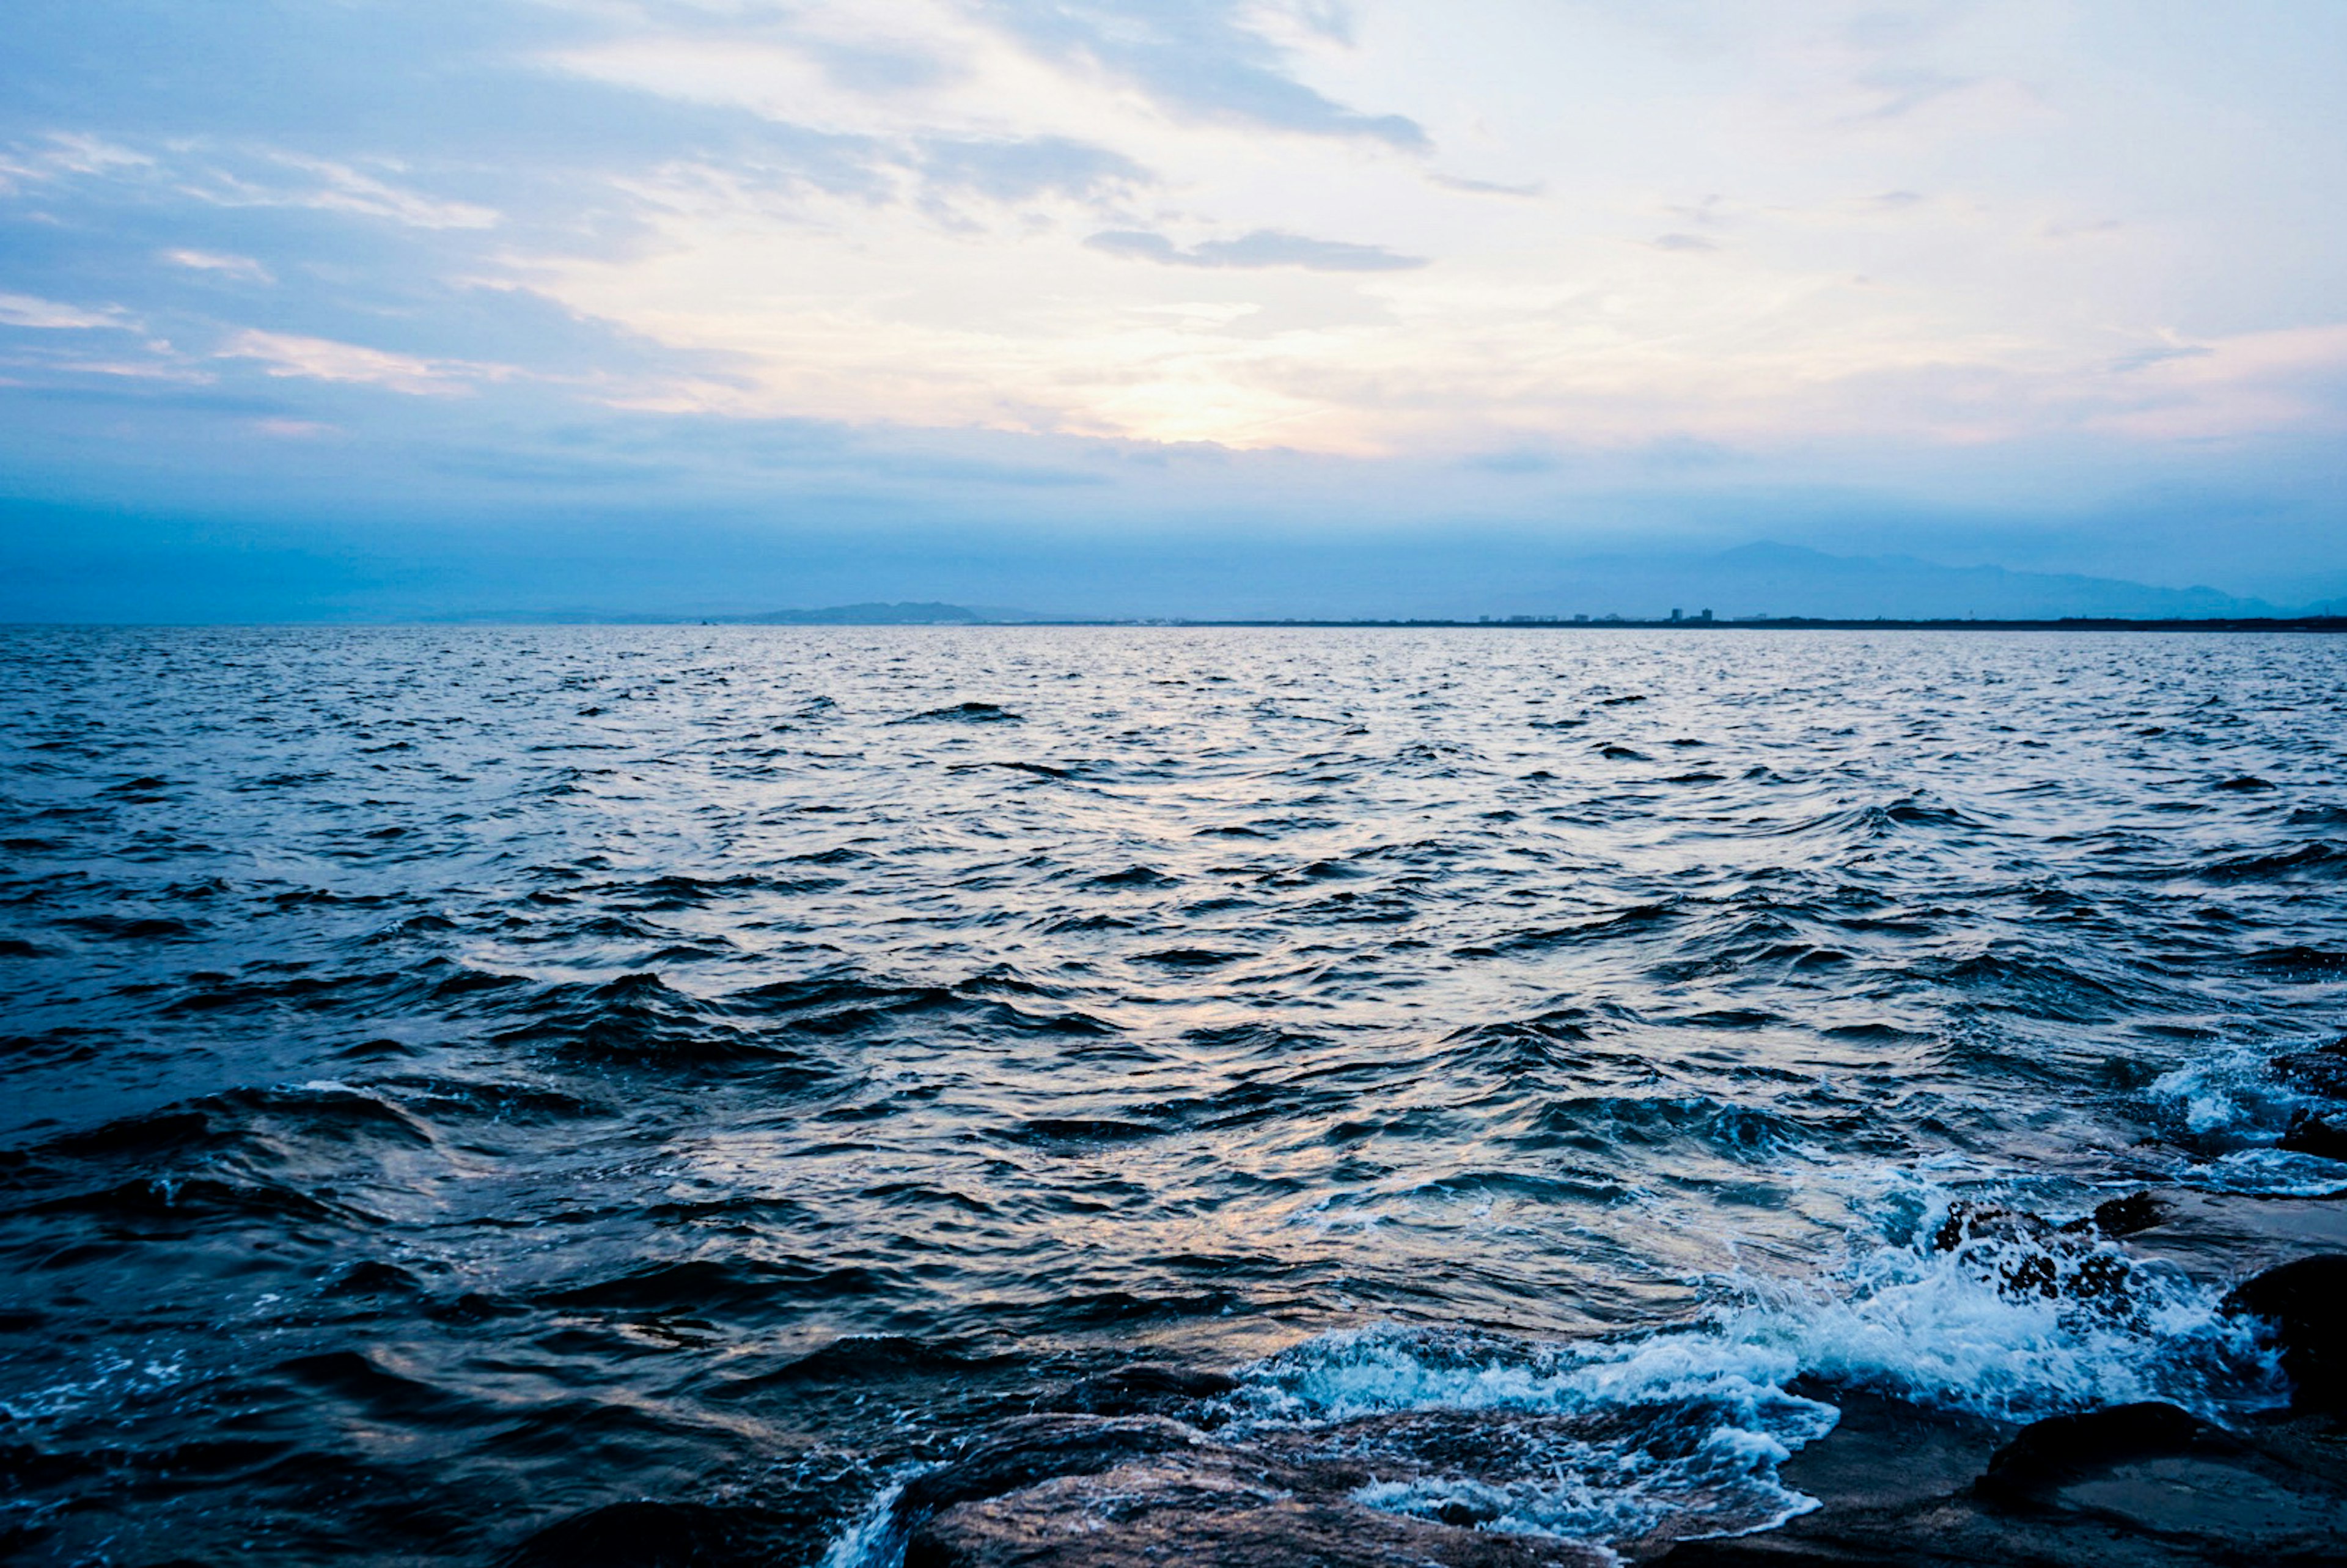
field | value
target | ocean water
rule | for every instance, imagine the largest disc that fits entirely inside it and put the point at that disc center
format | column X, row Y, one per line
column 451, row 1080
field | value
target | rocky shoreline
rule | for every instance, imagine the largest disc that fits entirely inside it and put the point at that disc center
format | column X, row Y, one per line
column 1129, row 1471
column 1152, row 1465
column 1143, row 1466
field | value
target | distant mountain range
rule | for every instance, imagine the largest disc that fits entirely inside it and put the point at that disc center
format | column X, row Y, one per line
column 1755, row 580
column 1788, row 580
column 901, row 614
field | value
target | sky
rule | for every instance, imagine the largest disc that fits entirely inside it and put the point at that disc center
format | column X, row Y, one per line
column 338, row 308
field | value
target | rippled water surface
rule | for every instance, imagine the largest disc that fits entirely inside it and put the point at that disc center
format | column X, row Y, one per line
column 456, row 1079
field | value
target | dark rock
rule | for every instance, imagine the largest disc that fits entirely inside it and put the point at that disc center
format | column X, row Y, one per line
column 1885, row 1452
column 2059, row 1449
column 1145, row 1387
column 2144, row 1486
column 1969, row 1222
column 1212, row 1508
column 652, row 1535
column 2323, row 1069
column 2126, row 1215
column 2317, row 1136
column 1057, row 1491
column 1031, row 1449
column 2030, row 1256
column 2221, row 1238
column 2306, row 1302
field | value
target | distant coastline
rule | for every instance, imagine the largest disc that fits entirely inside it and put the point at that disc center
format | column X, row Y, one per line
column 2303, row 623
column 957, row 616
column 2316, row 625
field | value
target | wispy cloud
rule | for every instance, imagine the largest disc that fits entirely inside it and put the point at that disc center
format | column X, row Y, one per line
column 1768, row 229
column 60, row 154
column 2231, row 386
column 26, row 311
column 243, row 267
column 1264, row 248
column 1488, row 186
column 1201, row 57
column 323, row 359
column 1019, row 170
column 332, row 187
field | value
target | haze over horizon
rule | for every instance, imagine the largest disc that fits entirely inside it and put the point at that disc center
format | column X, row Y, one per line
column 367, row 310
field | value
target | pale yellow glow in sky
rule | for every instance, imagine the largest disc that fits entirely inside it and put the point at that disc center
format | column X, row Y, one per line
column 1958, row 223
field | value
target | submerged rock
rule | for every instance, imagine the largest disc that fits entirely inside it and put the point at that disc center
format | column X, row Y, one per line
column 2126, row 1215
column 1057, row 1491
column 2060, row 1448
column 1031, row 1449
column 2324, row 1137
column 1144, row 1388
column 2323, row 1069
column 648, row 1535
column 1114, row 1480
column 2306, row 1302
column 1215, row 1507
column 2128, row 1487
column 2031, row 1256
column 2139, row 1486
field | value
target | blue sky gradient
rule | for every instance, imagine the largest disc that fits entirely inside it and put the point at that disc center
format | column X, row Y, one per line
column 358, row 309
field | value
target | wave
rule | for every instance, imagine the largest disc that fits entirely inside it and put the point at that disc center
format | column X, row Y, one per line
column 1681, row 1431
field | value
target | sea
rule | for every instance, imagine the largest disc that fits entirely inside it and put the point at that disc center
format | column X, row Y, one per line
column 453, row 1081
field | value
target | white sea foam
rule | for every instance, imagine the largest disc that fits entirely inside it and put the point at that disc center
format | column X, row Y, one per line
column 2230, row 1096
column 2237, row 1110
column 1681, row 1430
column 2269, row 1173
column 875, row 1539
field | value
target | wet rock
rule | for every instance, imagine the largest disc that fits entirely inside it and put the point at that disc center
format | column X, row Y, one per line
column 2061, row 1448
column 2306, row 1303
column 2030, row 1256
column 2124, row 1216
column 1057, row 1491
column 1032, row 1449
column 2220, row 1238
column 1145, row 1387
column 1969, row 1222
column 652, row 1535
column 2323, row 1136
column 1213, row 1508
column 1884, row 1452
column 2165, row 1475
column 2323, row 1069
column 2143, row 1486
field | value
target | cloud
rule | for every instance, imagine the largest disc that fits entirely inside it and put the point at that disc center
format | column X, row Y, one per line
column 1684, row 242
column 1021, row 171
column 25, row 311
column 334, row 187
column 235, row 174
column 322, row 359
column 1487, row 187
column 1898, row 92
column 60, row 154
column 1264, row 248
column 134, row 370
column 243, row 267
column 2293, row 377
column 1199, row 57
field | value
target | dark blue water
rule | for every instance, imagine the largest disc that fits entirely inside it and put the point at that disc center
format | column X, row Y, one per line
column 455, row 1079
